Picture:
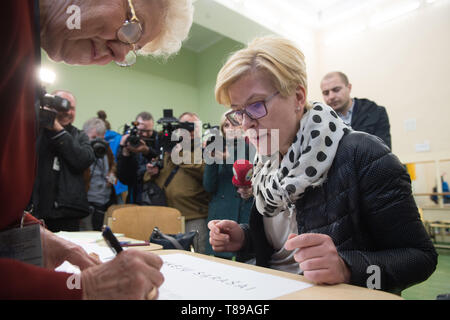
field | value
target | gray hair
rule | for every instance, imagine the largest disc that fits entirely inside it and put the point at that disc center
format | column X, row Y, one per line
column 95, row 123
column 144, row 115
column 175, row 28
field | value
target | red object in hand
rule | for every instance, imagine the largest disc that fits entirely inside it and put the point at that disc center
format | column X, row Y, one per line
column 242, row 173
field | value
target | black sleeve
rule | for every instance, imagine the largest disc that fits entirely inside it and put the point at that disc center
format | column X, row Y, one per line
column 383, row 128
column 76, row 151
column 402, row 249
column 126, row 168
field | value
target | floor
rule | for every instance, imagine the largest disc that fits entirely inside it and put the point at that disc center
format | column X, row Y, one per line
column 437, row 283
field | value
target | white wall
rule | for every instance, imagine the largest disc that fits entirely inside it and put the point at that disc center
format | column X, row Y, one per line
column 403, row 65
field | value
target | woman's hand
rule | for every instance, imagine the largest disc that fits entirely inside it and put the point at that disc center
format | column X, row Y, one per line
column 245, row 192
column 318, row 258
column 132, row 274
column 225, row 235
column 56, row 250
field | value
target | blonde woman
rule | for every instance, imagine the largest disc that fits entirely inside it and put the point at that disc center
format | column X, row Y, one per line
column 329, row 202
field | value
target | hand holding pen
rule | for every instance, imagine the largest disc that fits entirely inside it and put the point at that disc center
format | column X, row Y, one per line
column 132, row 274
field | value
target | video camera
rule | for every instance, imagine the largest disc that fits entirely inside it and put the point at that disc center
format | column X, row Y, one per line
column 133, row 139
column 170, row 124
column 49, row 106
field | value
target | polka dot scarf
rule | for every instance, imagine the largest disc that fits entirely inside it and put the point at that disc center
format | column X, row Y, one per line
column 306, row 164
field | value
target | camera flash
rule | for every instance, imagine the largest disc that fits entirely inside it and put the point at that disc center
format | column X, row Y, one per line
column 47, row 76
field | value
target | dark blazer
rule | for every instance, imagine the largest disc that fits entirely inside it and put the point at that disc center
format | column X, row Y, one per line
column 371, row 118
column 367, row 208
column 61, row 193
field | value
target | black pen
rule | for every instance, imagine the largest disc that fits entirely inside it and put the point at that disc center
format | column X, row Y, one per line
column 111, row 240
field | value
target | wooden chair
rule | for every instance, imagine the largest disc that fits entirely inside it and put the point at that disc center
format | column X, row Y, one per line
column 137, row 222
column 108, row 214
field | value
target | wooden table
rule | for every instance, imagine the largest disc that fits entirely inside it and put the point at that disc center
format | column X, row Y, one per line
column 316, row 292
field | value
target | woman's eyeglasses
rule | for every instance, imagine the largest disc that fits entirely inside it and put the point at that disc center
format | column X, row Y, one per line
column 254, row 111
column 130, row 33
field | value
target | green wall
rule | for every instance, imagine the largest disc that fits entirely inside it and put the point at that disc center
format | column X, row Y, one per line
column 210, row 62
column 183, row 83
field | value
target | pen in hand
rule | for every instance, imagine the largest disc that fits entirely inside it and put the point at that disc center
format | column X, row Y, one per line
column 111, row 240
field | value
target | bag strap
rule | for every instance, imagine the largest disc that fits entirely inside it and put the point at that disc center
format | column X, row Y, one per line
column 171, row 239
column 170, row 177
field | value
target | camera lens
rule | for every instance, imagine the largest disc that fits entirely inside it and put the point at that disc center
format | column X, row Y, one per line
column 99, row 148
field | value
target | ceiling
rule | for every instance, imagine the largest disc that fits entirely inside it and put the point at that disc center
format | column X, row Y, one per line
column 300, row 20
column 201, row 38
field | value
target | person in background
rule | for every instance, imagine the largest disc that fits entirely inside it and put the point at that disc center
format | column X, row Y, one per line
column 132, row 159
column 59, row 195
column 101, row 176
column 226, row 202
column 183, row 183
column 330, row 202
column 359, row 114
column 445, row 189
column 113, row 138
column 111, row 31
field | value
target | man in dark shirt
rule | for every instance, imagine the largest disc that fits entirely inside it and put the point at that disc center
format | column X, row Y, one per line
column 132, row 158
column 359, row 114
column 59, row 195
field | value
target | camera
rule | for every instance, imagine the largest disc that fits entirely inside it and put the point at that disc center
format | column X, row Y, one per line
column 49, row 106
column 170, row 124
column 100, row 146
column 133, row 139
column 211, row 134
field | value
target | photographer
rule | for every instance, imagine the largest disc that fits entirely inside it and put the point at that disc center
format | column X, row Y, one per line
column 100, row 177
column 59, row 195
column 25, row 25
column 137, row 149
column 185, row 191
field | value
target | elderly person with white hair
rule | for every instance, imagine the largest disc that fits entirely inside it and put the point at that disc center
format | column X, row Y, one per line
column 84, row 33
column 330, row 202
column 100, row 177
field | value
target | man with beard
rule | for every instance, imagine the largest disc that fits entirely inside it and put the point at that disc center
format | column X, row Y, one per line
column 360, row 114
column 59, row 195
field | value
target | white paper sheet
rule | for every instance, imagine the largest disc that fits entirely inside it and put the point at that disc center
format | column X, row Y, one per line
column 191, row 278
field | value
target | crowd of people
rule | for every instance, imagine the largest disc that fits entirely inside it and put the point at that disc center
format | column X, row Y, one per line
column 79, row 170
column 328, row 200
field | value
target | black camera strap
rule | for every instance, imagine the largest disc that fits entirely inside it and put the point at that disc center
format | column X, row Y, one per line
column 170, row 177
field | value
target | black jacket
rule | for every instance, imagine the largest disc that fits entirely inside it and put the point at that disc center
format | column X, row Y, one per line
column 367, row 208
column 131, row 169
column 371, row 118
column 62, row 193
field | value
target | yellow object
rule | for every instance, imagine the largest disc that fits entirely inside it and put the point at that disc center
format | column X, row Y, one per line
column 411, row 167
column 137, row 222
